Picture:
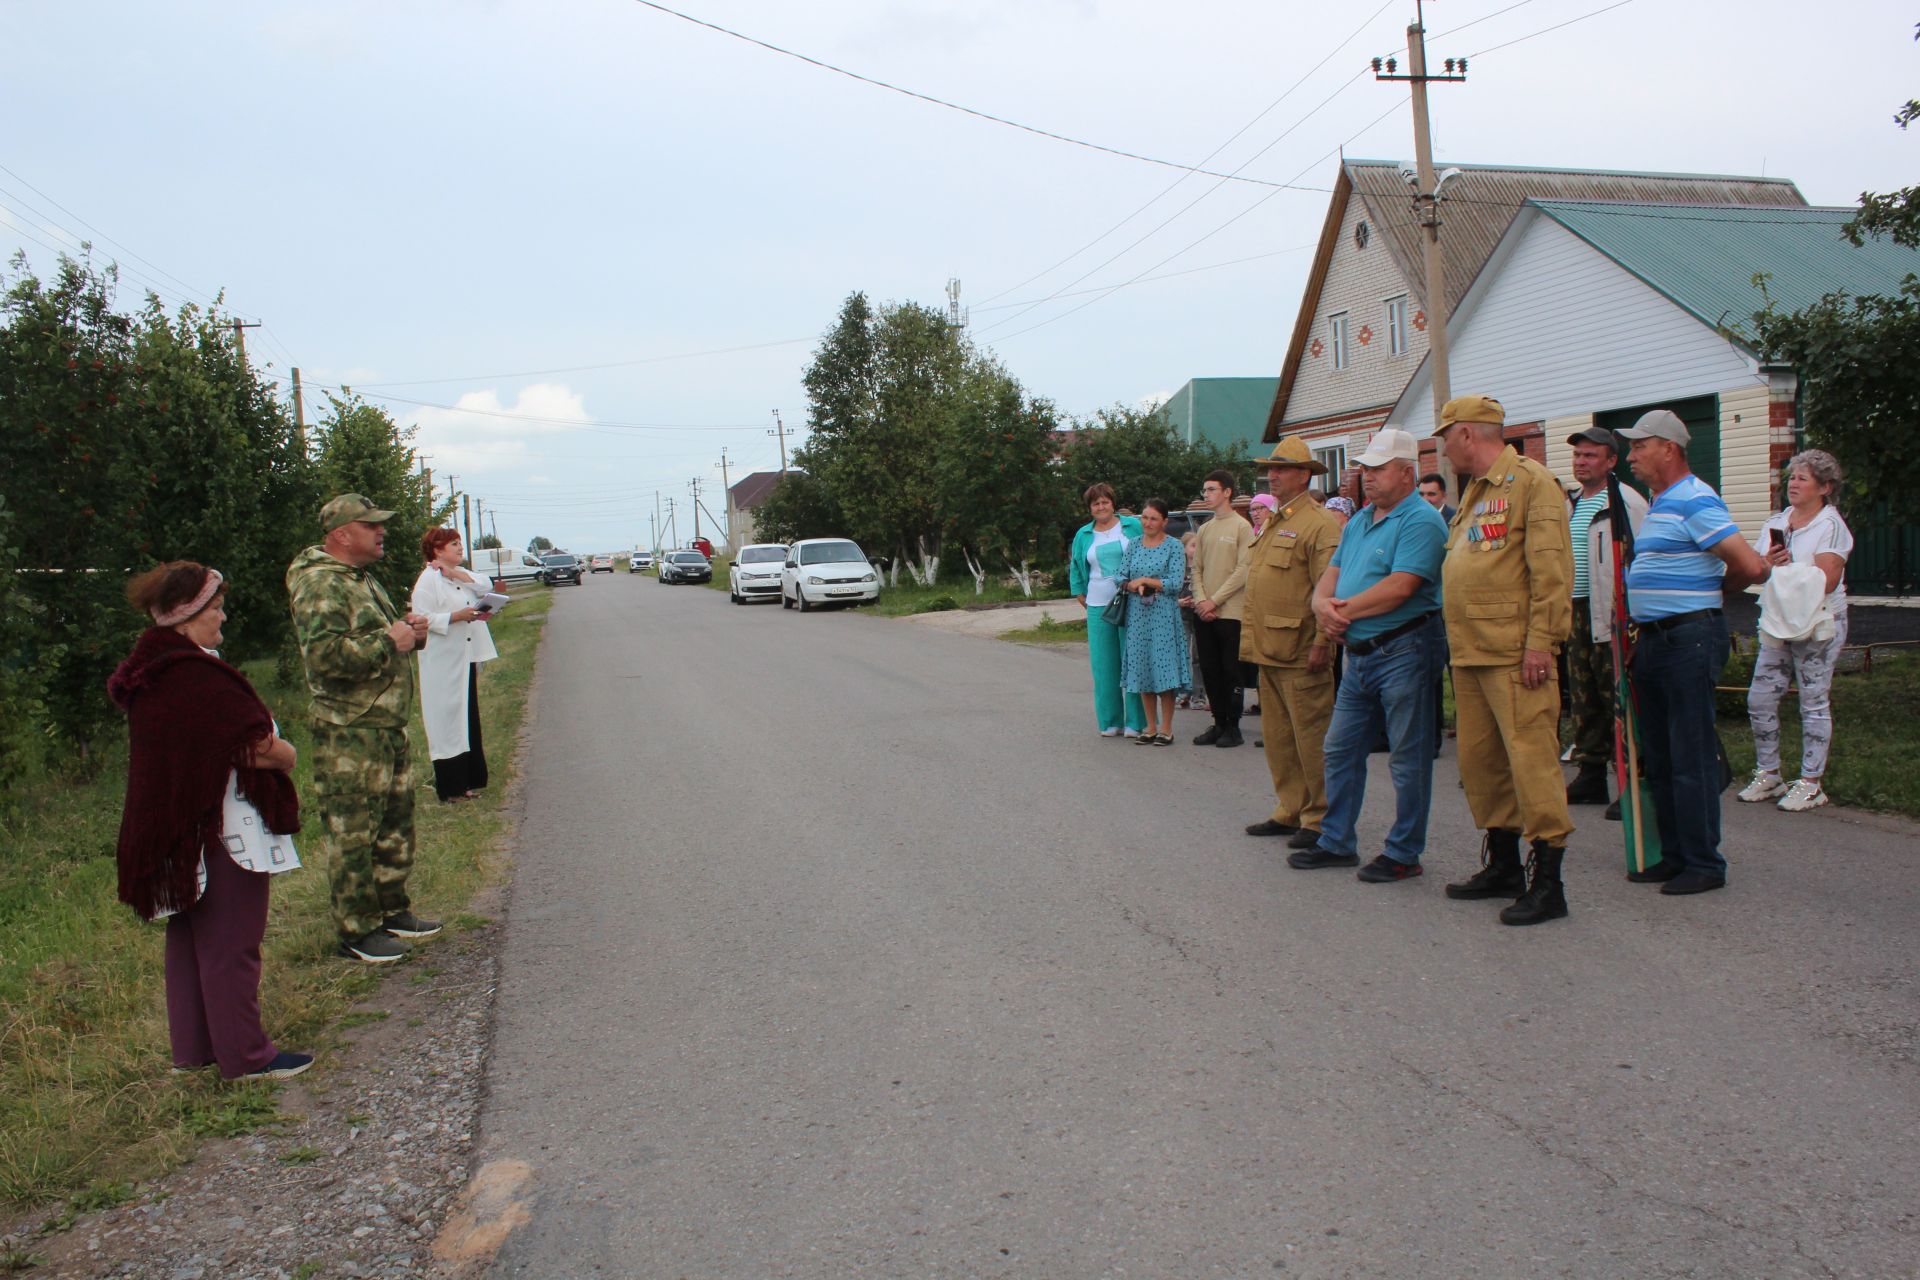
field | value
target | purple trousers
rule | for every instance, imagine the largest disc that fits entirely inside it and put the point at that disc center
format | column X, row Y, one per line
column 213, row 973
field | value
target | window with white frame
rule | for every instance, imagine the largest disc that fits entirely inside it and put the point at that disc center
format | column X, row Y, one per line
column 1334, row 459
column 1397, row 325
column 1337, row 339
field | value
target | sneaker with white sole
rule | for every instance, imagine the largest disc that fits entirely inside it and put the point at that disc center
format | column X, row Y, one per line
column 1803, row 795
column 1765, row 786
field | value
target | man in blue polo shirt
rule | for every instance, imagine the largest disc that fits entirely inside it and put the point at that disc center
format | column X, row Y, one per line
column 1381, row 599
column 1687, row 552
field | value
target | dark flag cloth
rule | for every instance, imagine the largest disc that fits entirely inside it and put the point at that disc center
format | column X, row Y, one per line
column 1637, row 826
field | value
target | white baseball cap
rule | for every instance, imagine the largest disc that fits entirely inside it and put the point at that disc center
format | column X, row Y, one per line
column 1387, row 444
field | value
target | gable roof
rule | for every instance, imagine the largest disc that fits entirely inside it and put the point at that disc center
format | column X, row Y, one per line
column 750, row 491
column 1481, row 202
column 1704, row 258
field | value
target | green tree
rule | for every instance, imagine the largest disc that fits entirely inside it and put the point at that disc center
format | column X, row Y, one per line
column 74, row 485
column 1895, row 214
column 540, row 546
column 486, row 542
column 1138, row 452
column 995, row 475
column 362, row 450
column 799, row 507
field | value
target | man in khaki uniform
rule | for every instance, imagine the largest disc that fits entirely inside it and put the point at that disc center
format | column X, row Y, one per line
column 1279, row 635
column 1218, row 591
column 1506, row 593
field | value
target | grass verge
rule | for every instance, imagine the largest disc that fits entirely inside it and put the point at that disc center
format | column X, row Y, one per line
column 87, row 1104
column 910, row 598
column 1047, row 631
column 1876, row 733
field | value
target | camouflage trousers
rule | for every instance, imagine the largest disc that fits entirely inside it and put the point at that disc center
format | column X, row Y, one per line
column 1590, row 691
column 363, row 782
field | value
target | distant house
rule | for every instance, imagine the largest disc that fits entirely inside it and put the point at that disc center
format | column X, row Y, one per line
column 1594, row 311
column 1229, row 412
column 1362, row 326
column 743, row 499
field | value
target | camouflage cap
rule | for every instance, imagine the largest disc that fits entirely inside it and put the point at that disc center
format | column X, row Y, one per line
column 349, row 507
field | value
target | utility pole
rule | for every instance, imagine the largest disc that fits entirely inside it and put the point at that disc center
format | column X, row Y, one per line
column 695, row 485
column 493, row 527
column 479, row 518
column 1426, row 202
column 240, row 328
column 453, row 491
column 780, row 429
column 299, row 414
column 673, row 529
column 466, row 509
column 726, row 489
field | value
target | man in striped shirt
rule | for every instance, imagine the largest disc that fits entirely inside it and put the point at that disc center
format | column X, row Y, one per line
column 1688, row 551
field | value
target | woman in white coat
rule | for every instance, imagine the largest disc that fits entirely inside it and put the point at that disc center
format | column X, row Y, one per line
column 457, row 643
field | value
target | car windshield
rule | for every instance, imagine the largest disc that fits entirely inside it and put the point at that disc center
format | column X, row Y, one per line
column 689, row 557
column 763, row 555
column 831, row 553
column 559, row 562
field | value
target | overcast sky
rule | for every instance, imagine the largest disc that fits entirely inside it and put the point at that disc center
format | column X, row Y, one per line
column 463, row 203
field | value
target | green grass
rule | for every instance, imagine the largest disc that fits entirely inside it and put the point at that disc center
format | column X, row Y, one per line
column 86, row 1099
column 1047, row 631
column 719, row 580
column 1876, row 733
column 910, row 598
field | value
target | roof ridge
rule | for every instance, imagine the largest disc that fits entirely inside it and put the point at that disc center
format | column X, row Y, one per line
column 1602, row 173
column 1715, row 207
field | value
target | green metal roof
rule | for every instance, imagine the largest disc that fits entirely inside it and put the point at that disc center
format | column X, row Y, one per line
column 1704, row 257
column 1227, row 411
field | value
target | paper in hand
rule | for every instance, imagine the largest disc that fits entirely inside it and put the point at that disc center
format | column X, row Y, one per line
column 493, row 601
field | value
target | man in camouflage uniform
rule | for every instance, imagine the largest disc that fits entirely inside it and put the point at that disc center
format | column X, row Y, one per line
column 354, row 645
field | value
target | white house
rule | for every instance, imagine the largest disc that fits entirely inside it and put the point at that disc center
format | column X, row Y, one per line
column 1596, row 311
column 1362, row 325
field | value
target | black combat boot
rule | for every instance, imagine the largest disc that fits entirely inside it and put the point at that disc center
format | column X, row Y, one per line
column 1589, row 786
column 1500, row 874
column 1545, row 898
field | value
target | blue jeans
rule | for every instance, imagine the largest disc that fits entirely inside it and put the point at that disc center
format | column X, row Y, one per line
column 1394, row 685
column 1673, row 676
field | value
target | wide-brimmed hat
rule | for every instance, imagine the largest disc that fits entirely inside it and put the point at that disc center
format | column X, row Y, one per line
column 1291, row 452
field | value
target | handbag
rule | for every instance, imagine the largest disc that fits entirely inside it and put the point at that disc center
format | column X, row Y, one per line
column 1115, row 612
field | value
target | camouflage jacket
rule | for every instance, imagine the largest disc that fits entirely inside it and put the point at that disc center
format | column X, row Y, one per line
column 340, row 617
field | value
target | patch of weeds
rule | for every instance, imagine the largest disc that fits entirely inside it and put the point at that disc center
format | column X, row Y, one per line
column 414, row 1022
column 358, row 1119
column 361, row 1017
column 300, row 1155
column 101, row 1195
column 14, row 1261
column 308, row 1269
column 234, row 1113
column 467, row 920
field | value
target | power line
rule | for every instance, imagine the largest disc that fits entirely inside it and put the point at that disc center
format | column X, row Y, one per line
column 1291, row 89
column 1545, row 30
column 942, row 102
column 1170, row 275
column 198, row 293
column 591, row 368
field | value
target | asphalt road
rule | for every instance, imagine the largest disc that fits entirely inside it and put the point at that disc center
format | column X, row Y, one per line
column 840, row 946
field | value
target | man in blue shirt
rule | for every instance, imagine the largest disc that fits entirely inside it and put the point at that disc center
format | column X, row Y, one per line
column 1381, row 599
column 1687, row 552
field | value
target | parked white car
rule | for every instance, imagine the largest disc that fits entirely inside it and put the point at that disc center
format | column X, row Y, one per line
column 639, row 560
column 827, row 571
column 504, row 565
column 755, row 572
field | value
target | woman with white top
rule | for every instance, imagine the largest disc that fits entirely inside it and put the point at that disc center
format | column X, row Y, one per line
column 457, row 643
column 1808, row 532
column 1093, row 577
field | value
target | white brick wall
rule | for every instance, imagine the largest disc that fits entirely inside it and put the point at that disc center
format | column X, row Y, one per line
column 1359, row 281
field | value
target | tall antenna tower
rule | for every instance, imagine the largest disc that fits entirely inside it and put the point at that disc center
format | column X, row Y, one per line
column 957, row 316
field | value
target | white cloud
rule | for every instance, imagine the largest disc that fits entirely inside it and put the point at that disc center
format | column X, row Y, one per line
column 481, row 433
column 1152, row 400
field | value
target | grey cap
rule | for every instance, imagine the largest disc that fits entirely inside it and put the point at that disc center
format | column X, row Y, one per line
column 1601, row 436
column 1661, row 424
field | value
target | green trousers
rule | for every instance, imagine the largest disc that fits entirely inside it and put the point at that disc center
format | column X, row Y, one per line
column 363, row 785
column 1111, row 708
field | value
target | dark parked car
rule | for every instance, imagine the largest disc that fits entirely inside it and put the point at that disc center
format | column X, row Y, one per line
column 685, row 566
column 555, row 570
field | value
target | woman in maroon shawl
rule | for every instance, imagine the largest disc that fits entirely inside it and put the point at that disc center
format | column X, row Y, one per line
column 210, row 807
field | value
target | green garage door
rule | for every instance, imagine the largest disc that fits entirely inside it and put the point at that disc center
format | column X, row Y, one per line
column 1702, row 416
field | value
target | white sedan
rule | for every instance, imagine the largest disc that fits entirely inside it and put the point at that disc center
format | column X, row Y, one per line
column 827, row 571
column 755, row 572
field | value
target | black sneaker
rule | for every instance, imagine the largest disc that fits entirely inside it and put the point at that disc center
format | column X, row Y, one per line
column 1208, row 738
column 1693, row 882
column 1269, row 827
column 378, row 947
column 1231, row 738
column 1385, row 870
column 1613, row 811
column 1659, row 873
column 1304, row 838
column 1315, row 858
column 283, row 1066
column 409, row 925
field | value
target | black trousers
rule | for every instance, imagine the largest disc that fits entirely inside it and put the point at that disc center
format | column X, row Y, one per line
column 457, row 775
column 1219, row 645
